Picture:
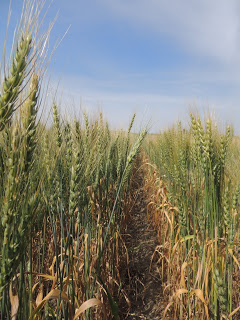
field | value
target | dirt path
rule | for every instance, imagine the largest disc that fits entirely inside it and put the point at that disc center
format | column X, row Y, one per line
column 143, row 287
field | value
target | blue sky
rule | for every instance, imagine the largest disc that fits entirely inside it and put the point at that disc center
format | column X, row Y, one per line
column 157, row 58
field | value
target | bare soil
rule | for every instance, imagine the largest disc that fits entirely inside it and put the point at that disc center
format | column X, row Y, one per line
column 142, row 281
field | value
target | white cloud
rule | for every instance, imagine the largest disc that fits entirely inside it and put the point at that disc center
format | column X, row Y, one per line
column 77, row 93
column 162, row 110
column 206, row 27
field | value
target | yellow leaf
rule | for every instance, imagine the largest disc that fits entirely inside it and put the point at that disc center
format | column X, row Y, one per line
column 14, row 303
column 170, row 222
column 179, row 292
column 184, row 265
column 199, row 294
column 234, row 311
column 234, row 258
column 43, row 275
column 39, row 296
column 53, row 294
column 88, row 304
column 166, row 309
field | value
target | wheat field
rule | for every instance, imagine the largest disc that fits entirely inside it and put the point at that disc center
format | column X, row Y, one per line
column 68, row 194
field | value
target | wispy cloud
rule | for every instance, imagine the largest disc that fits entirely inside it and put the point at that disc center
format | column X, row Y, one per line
column 204, row 27
column 155, row 57
column 161, row 109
